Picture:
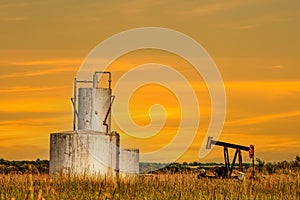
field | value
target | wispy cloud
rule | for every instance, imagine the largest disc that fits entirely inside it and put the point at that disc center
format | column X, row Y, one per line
column 36, row 105
column 263, row 118
column 275, row 18
column 137, row 7
column 12, row 19
column 34, row 123
column 57, row 62
column 256, row 86
column 256, row 22
column 213, row 8
column 11, row 4
column 280, row 86
column 32, row 120
column 277, row 67
column 30, row 89
column 39, row 72
column 5, row 5
column 249, row 26
column 238, row 26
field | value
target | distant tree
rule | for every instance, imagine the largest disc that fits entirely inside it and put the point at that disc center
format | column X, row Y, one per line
column 298, row 158
column 195, row 163
column 260, row 164
column 271, row 167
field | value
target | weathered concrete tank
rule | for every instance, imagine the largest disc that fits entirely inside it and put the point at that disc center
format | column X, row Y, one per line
column 84, row 152
column 129, row 161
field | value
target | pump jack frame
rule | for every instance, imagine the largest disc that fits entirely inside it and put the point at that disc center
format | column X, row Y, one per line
column 226, row 171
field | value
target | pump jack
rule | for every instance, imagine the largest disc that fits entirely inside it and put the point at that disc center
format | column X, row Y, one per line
column 226, row 171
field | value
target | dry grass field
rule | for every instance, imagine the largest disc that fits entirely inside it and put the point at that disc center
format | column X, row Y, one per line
column 162, row 186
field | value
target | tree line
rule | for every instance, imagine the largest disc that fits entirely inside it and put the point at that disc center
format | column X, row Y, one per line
column 24, row 167
column 42, row 166
column 273, row 167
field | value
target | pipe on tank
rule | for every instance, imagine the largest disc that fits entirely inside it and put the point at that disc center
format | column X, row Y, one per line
column 95, row 79
column 74, row 100
column 95, row 83
column 107, row 113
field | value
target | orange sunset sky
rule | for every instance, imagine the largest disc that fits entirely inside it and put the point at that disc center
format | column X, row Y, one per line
column 254, row 43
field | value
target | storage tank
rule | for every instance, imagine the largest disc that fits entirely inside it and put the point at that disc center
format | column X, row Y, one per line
column 129, row 161
column 93, row 106
column 84, row 152
column 91, row 148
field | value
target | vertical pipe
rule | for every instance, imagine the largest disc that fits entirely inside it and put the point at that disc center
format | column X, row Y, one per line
column 109, row 80
column 95, row 80
column 117, row 155
column 112, row 98
column 74, row 106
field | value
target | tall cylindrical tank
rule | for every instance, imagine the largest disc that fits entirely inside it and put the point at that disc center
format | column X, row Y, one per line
column 93, row 105
column 129, row 161
column 84, row 152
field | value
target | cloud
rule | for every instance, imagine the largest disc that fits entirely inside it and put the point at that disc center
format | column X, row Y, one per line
column 37, row 121
column 249, row 26
column 275, row 18
column 277, row 67
column 261, row 87
column 33, row 123
column 57, row 62
column 39, row 72
column 239, row 26
column 11, row 19
column 263, row 118
column 213, row 8
column 137, row 7
column 51, row 66
column 13, row 5
column 42, row 104
column 14, row 116
column 278, row 86
column 30, row 89
column 257, row 21
column 10, row 6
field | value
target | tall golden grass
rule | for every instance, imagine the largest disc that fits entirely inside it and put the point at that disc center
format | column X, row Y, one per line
column 162, row 186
